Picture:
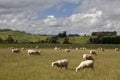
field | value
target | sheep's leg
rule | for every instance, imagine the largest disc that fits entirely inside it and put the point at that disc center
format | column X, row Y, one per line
column 92, row 67
column 66, row 67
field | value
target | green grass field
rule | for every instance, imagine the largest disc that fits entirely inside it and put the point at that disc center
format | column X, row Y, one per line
column 24, row 67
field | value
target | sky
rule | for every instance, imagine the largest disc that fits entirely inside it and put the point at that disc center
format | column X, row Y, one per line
column 51, row 17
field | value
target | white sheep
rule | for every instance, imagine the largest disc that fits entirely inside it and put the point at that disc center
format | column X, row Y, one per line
column 55, row 48
column 15, row 50
column 34, row 52
column 116, row 49
column 60, row 63
column 67, row 50
column 93, row 52
column 85, row 64
column 77, row 48
column 87, row 57
column 100, row 48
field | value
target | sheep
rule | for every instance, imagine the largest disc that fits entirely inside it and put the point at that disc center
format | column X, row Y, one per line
column 100, row 48
column 116, row 49
column 93, row 52
column 67, row 50
column 15, row 50
column 60, row 63
column 85, row 64
column 87, row 57
column 77, row 48
column 34, row 52
column 55, row 48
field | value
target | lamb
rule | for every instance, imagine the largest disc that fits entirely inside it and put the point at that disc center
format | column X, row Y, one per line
column 85, row 64
column 34, row 52
column 15, row 50
column 93, row 52
column 61, row 63
column 87, row 57
column 67, row 50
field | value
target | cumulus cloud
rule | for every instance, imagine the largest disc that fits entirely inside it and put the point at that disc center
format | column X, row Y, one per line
column 88, row 16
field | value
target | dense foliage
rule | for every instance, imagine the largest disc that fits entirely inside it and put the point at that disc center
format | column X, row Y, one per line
column 105, row 40
column 107, row 33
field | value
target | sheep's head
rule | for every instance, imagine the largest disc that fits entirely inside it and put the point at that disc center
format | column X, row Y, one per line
column 95, row 53
column 77, row 68
column 55, row 64
column 40, row 51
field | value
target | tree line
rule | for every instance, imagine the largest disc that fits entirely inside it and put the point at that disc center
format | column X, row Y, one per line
column 105, row 40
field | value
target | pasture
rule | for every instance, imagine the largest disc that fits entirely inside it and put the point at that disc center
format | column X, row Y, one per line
column 38, row 67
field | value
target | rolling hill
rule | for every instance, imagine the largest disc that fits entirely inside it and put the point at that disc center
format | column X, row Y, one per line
column 27, row 37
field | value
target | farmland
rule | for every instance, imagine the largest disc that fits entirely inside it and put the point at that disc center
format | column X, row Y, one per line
column 24, row 67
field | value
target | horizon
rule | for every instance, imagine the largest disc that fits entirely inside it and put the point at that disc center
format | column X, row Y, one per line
column 75, row 34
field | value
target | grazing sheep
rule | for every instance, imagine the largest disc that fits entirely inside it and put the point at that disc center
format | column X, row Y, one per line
column 55, row 48
column 93, row 52
column 61, row 63
column 85, row 64
column 34, row 52
column 77, row 48
column 15, row 50
column 102, row 49
column 116, row 49
column 67, row 50
column 87, row 57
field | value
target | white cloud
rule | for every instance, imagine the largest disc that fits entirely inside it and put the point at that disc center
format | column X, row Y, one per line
column 90, row 15
column 81, row 23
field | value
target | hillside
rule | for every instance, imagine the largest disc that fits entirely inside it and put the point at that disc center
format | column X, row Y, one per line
column 21, row 36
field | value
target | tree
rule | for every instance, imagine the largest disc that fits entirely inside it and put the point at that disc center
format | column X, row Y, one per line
column 52, row 40
column 66, row 41
column 62, row 35
column 9, row 40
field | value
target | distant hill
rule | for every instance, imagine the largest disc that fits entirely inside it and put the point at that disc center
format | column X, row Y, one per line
column 22, row 36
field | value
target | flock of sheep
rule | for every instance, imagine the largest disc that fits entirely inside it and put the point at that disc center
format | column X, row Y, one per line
column 29, row 52
column 87, row 63
column 88, row 60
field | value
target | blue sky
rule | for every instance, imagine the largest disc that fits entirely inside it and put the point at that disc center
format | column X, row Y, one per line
column 64, row 9
column 54, row 16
